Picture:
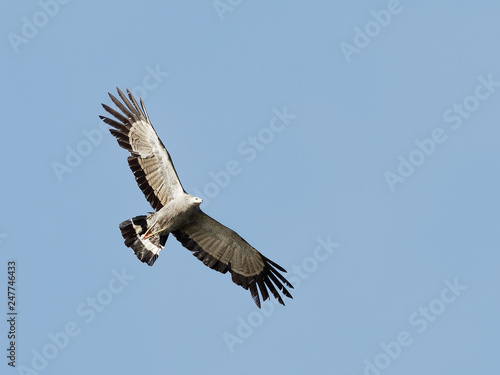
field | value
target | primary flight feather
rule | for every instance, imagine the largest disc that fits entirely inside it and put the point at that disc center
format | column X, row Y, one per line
column 179, row 213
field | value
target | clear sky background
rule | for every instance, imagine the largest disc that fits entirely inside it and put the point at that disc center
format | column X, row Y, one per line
column 390, row 155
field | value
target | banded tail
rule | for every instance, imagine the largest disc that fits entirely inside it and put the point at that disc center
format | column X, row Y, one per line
column 133, row 231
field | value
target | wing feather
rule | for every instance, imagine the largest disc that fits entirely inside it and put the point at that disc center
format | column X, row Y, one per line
column 127, row 103
column 126, row 112
column 222, row 249
column 149, row 160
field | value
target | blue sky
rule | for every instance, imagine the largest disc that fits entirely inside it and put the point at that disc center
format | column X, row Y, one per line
column 377, row 191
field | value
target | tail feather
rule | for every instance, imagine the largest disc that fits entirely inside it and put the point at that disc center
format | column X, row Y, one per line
column 133, row 231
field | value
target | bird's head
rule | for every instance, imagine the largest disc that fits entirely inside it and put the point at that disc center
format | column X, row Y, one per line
column 196, row 201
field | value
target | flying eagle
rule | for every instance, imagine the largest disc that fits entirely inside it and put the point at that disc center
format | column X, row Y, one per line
column 179, row 213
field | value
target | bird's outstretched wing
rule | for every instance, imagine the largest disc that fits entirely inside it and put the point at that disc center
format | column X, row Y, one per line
column 149, row 159
column 222, row 249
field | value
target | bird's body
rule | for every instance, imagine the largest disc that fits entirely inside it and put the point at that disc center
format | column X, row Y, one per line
column 175, row 214
column 179, row 213
column 147, row 234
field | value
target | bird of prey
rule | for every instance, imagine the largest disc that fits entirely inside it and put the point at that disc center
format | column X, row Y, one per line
column 179, row 213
